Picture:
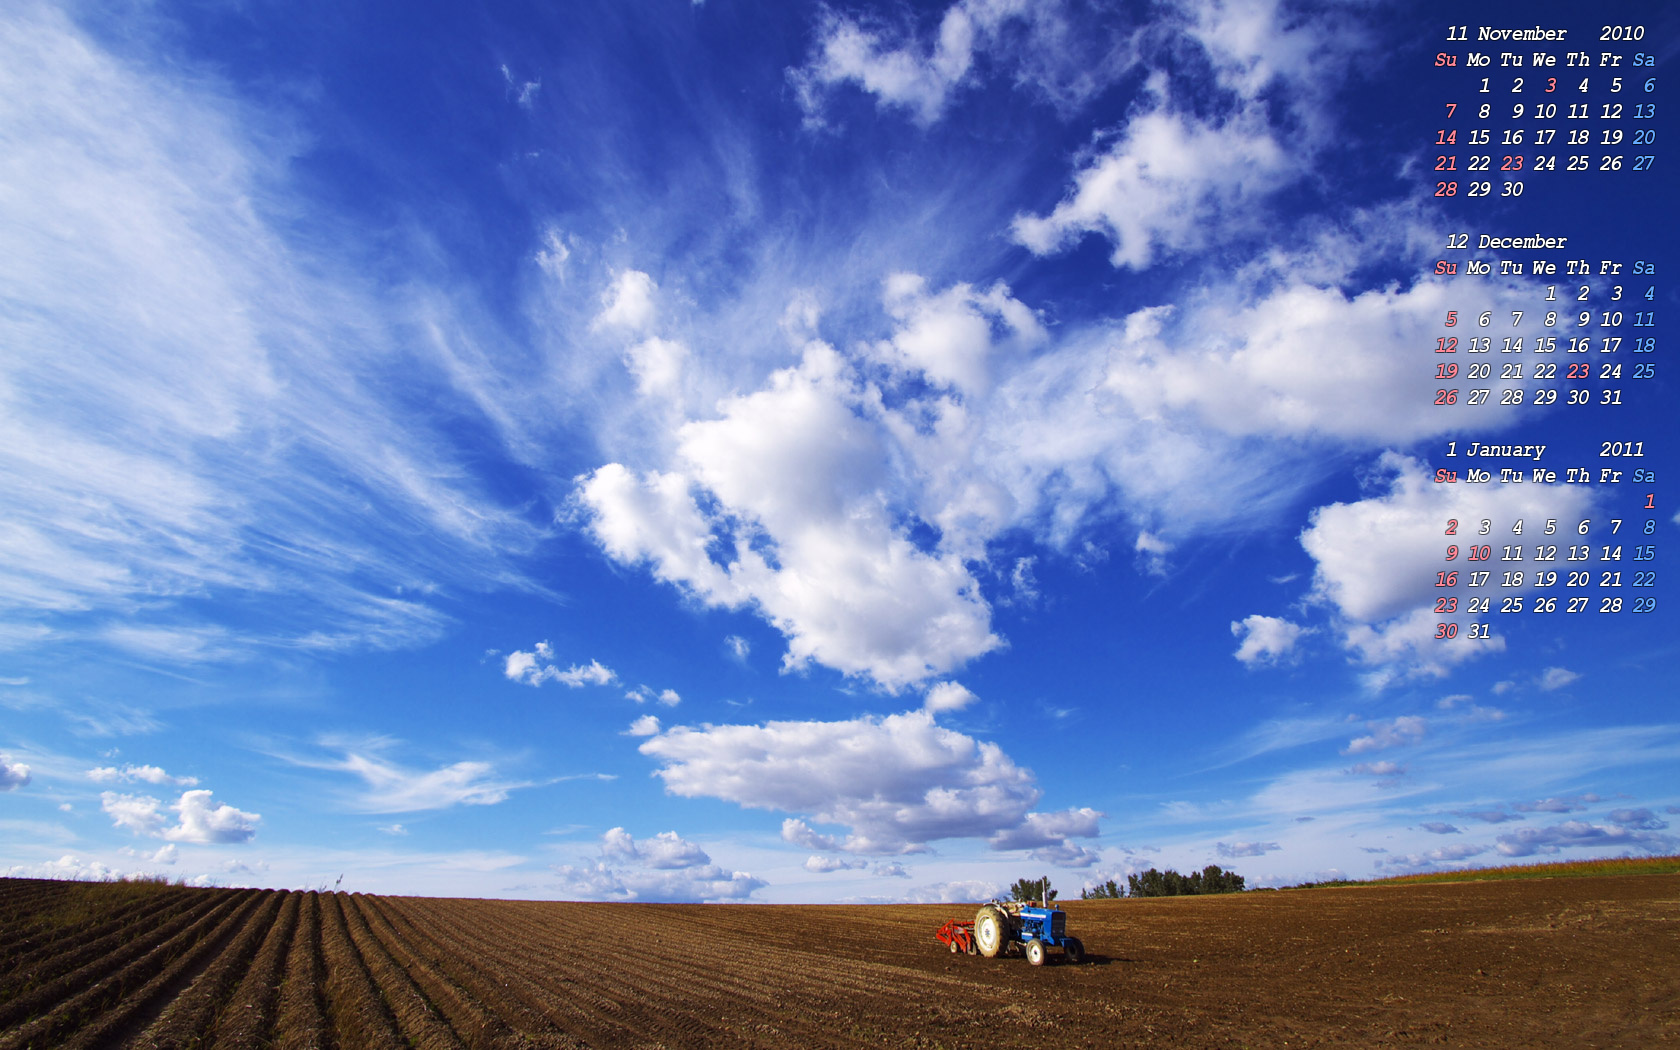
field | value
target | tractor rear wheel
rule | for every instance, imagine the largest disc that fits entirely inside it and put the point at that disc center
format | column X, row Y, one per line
column 1035, row 952
column 1073, row 950
column 991, row 930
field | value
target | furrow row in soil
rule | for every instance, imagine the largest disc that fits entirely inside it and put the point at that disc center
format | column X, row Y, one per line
column 427, row 963
column 361, row 1017
column 301, row 1021
column 653, row 993
column 571, row 1018
column 246, row 1020
column 422, row 1026
column 188, row 1016
column 69, row 950
column 102, row 980
column 120, row 1003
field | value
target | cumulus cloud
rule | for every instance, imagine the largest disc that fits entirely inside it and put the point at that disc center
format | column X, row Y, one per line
column 1042, row 50
column 1569, row 804
column 1407, row 729
column 642, row 694
column 800, row 833
column 1429, row 858
column 1245, row 849
column 960, row 892
column 793, row 476
column 130, row 773
column 823, row 865
column 950, row 338
column 1553, row 678
column 1377, row 561
column 1639, row 819
column 1265, row 639
column 1378, row 769
column 1164, row 184
column 628, row 302
column 536, row 667
column 666, row 867
column 947, row 696
column 665, row 850
column 1526, row 842
column 12, row 774
column 201, row 820
column 896, row 782
column 646, row 725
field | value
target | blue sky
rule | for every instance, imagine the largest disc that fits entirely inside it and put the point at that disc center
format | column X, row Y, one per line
column 803, row 452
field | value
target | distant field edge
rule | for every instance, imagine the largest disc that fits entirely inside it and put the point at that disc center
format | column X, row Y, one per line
column 1668, row 865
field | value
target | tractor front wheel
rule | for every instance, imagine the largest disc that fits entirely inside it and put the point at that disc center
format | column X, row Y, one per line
column 991, row 931
column 1073, row 950
column 1035, row 952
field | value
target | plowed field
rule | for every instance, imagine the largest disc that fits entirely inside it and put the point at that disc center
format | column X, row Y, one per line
column 1565, row 962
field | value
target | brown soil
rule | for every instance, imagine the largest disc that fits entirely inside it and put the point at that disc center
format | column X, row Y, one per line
column 1564, row 962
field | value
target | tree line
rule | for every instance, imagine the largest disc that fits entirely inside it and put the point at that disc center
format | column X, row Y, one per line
column 1169, row 883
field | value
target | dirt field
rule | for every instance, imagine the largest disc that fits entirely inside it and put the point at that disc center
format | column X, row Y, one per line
column 1565, row 962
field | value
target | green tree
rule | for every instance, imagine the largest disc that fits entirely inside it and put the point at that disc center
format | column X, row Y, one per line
column 1032, row 890
column 1109, row 890
column 1169, row 883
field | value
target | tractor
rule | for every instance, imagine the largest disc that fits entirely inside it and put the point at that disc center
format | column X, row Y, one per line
column 999, row 927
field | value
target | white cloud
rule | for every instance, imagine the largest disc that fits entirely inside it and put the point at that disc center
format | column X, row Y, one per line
column 1245, row 849
column 642, row 694
column 1554, row 678
column 1526, row 842
column 897, row 76
column 392, row 788
column 1384, row 768
column 1640, row 819
column 947, row 696
column 666, row 867
column 1039, row 47
column 896, row 782
column 12, row 774
column 800, row 833
column 1265, row 639
column 599, row 881
column 201, row 820
column 184, row 384
column 1152, row 553
column 1454, row 854
column 130, row 773
column 646, row 725
column 1407, row 729
column 965, row 891
column 1378, row 559
column 657, row 365
column 822, row 865
column 796, row 474
column 628, row 303
column 665, row 850
column 948, row 337
column 536, row 667
column 738, row 647
column 1164, row 184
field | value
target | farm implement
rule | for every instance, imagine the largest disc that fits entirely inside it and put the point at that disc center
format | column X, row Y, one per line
column 1002, row 927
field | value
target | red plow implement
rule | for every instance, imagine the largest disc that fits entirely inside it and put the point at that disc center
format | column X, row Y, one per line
column 959, row 935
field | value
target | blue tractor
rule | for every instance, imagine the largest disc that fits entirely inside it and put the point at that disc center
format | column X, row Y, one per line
column 1031, row 927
